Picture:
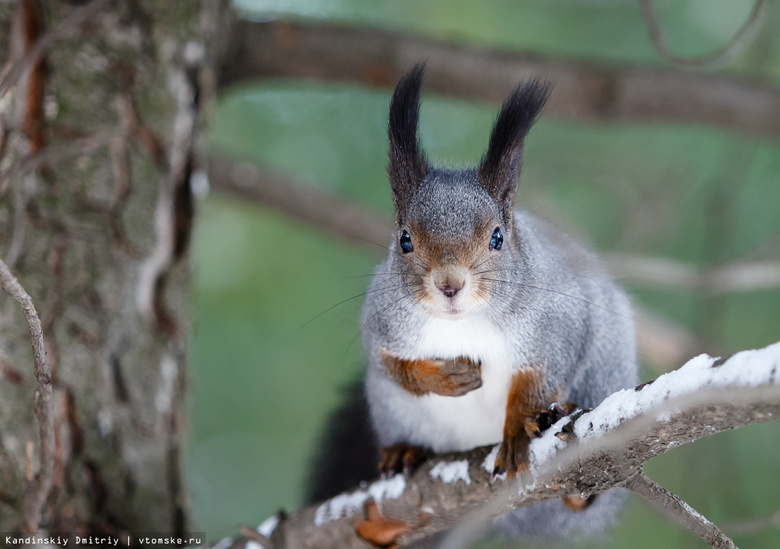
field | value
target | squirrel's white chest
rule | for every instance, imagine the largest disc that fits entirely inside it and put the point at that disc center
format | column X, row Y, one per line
column 477, row 418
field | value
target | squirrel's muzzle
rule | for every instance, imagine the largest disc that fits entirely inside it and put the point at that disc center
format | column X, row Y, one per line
column 450, row 281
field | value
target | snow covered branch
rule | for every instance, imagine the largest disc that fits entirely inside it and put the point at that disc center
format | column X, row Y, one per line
column 586, row 453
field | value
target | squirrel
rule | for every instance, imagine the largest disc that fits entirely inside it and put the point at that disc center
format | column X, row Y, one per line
column 480, row 320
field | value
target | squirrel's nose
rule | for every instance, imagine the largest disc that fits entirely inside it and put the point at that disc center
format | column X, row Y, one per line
column 449, row 281
column 450, row 291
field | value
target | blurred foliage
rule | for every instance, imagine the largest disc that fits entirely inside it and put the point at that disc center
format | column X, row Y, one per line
column 276, row 305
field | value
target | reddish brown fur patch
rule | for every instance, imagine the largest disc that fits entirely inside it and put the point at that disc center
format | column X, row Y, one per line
column 433, row 252
column 454, row 377
column 577, row 503
column 381, row 531
column 528, row 396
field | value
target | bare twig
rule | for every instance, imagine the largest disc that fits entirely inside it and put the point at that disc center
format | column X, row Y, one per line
column 584, row 91
column 751, row 526
column 76, row 18
column 735, row 277
column 679, row 511
column 38, row 488
column 303, row 202
column 718, row 57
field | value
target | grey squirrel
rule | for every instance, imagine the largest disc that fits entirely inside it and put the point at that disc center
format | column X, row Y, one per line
column 479, row 319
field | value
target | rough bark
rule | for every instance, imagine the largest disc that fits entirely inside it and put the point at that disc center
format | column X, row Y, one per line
column 95, row 196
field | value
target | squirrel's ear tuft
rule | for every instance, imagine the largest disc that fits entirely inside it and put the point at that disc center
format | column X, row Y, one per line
column 408, row 165
column 499, row 171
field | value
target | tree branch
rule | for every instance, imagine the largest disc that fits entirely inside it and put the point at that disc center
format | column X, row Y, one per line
column 323, row 210
column 679, row 511
column 357, row 224
column 724, row 279
column 718, row 57
column 584, row 91
column 586, row 453
column 38, row 486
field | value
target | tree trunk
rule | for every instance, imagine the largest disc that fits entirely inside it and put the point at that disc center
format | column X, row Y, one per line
column 95, row 214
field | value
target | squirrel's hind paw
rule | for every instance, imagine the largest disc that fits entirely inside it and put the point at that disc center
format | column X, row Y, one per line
column 512, row 457
column 547, row 417
column 401, row 458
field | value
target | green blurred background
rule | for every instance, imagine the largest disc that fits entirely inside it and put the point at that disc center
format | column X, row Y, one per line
column 268, row 365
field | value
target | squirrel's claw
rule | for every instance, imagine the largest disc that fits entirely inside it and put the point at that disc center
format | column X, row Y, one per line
column 401, row 458
column 512, row 457
column 550, row 415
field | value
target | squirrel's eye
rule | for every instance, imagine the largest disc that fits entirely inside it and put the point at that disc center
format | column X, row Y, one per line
column 406, row 242
column 496, row 239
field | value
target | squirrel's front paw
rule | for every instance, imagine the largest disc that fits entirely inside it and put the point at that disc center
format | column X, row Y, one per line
column 454, row 377
column 451, row 377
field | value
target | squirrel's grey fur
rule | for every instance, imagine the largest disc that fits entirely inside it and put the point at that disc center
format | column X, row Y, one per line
column 539, row 301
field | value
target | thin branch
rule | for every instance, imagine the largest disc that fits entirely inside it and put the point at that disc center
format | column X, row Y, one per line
column 754, row 525
column 358, row 224
column 584, row 91
column 679, row 511
column 325, row 211
column 716, row 58
column 38, row 487
column 584, row 454
column 731, row 278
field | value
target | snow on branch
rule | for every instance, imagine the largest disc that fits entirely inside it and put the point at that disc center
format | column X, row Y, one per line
column 583, row 454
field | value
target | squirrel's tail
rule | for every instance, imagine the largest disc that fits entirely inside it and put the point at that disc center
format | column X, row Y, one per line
column 347, row 452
